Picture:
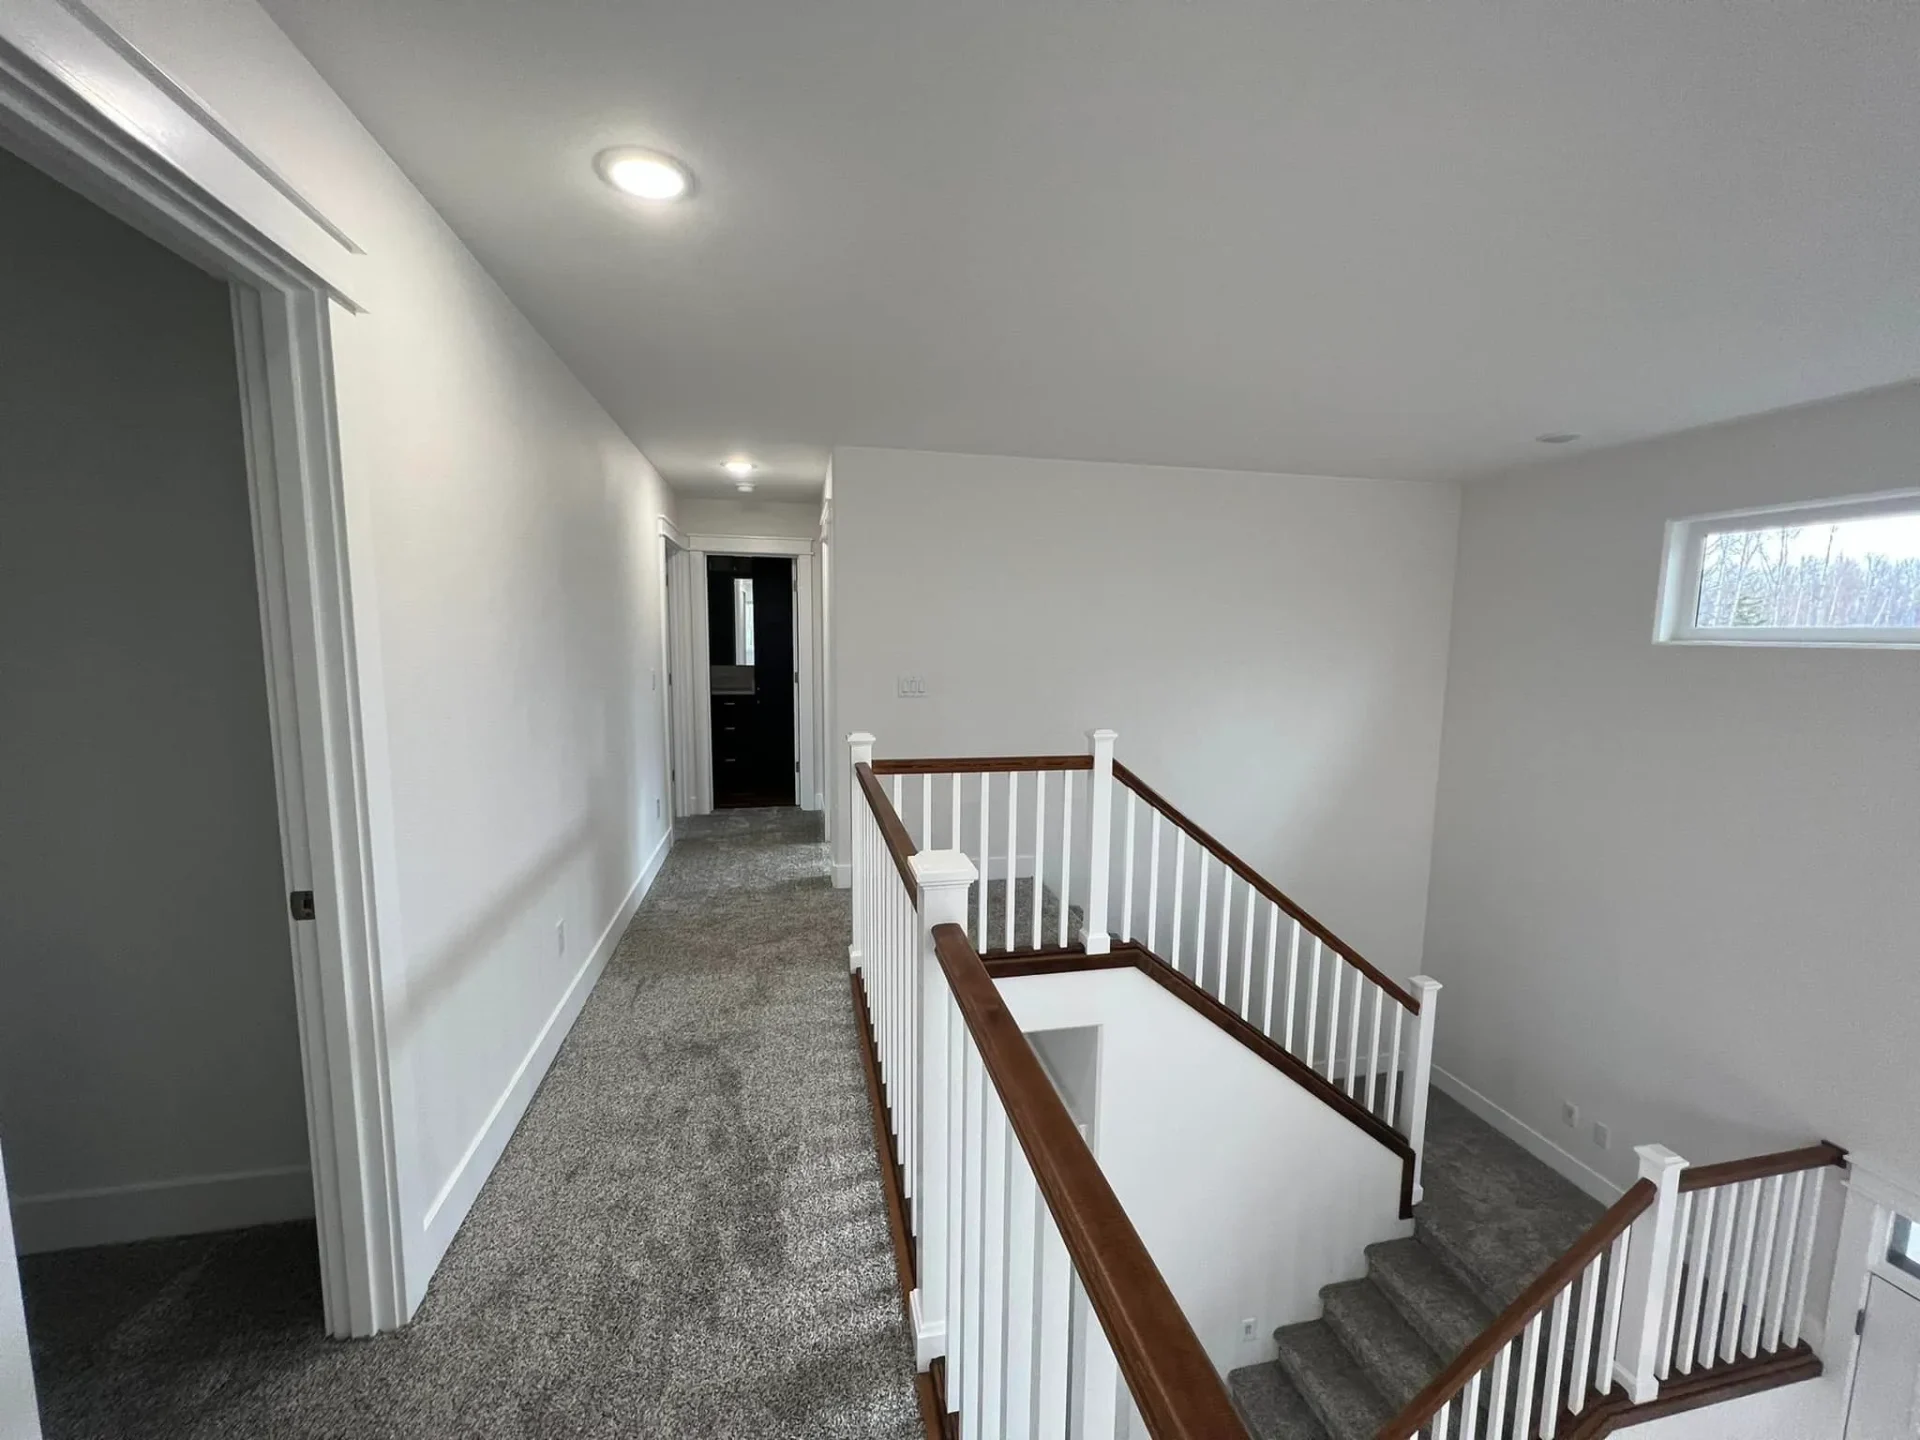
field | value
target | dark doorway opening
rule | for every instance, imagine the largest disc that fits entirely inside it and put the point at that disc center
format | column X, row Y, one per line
column 750, row 652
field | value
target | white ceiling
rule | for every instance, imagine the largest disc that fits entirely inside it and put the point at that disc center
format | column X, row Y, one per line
column 1386, row 239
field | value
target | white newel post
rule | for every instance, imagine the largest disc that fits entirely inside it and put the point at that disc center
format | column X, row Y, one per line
column 943, row 877
column 1650, row 1252
column 1420, row 1074
column 859, row 752
column 1100, row 820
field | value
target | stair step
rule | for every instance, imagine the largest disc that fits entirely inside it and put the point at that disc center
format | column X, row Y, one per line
column 1442, row 1311
column 1330, row 1380
column 1390, row 1351
column 1272, row 1408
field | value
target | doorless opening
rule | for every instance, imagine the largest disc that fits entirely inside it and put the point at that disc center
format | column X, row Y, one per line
column 151, row 1082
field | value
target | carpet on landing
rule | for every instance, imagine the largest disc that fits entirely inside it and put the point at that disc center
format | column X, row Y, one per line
column 685, row 1237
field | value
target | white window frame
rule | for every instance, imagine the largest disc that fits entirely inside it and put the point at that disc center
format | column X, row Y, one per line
column 1680, row 579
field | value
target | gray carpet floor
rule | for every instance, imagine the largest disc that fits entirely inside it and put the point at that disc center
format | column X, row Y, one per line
column 686, row 1236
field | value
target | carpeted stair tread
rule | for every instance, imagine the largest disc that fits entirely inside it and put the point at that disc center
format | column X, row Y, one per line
column 1270, row 1405
column 1331, row 1381
column 1390, row 1351
column 1442, row 1311
column 1492, row 1214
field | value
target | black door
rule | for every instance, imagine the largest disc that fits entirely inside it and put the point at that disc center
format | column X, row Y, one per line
column 750, row 652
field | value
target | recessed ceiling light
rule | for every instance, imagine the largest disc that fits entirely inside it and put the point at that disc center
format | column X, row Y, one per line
column 1558, row 437
column 645, row 174
column 739, row 469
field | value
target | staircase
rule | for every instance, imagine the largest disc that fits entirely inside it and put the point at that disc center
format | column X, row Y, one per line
column 1492, row 1219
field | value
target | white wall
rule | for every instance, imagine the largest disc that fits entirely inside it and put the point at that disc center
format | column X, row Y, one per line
column 701, row 515
column 1202, row 1142
column 1272, row 649
column 1675, row 884
column 149, row 1052
column 506, row 577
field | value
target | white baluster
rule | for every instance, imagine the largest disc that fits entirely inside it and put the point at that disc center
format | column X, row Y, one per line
column 1023, row 1264
column 1427, row 989
column 1179, row 892
column 1651, row 1256
column 1333, row 1011
column 1100, row 820
column 1529, row 1359
column 1066, row 853
column 952, row 1275
column 1740, row 1272
column 1013, row 846
column 1556, row 1357
column 1126, row 873
column 1353, row 1035
column 1039, row 850
column 1393, row 1064
column 1470, row 1408
column 1440, row 1417
column 894, row 786
column 1054, row 1358
column 986, row 858
column 1246, row 960
column 1497, row 1406
column 1313, row 1000
column 1777, row 1309
column 1273, row 950
column 1293, row 982
column 1605, row 1366
column 1153, row 878
column 953, row 816
column 1583, row 1336
column 926, row 811
column 1373, row 1051
column 1797, row 1299
column 1200, row 924
column 985, row 1422
column 1713, row 1310
column 972, row 1278
column 859, row 752
column 1676, row 1276
column 1765, row 1239
column 943, row 877
column 1687, row 1340
column 1099, row 1402
column 1226, row 934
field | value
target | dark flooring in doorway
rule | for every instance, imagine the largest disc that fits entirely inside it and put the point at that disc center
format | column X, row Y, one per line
column 686, row 1237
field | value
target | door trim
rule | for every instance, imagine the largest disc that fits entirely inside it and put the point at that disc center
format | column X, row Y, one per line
column 85, row 105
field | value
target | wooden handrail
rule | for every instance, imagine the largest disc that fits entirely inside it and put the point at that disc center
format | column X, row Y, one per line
column 1762, row 1167
column 1265, row 887
column 1174, row 1384
column 899, row 843
column 976, row 764
column 1514, row 1319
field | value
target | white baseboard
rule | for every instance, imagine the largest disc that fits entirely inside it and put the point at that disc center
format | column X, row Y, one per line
column 842, row 876
column 1529, row 1139
column 456, row 1197
column 115, row 1214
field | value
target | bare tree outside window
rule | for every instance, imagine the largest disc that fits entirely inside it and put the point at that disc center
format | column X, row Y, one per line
column 1861, row 573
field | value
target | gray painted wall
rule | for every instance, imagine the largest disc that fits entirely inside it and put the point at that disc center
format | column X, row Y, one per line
column 148, row 1052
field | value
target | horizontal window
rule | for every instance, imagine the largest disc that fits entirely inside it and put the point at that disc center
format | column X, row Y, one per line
column 1844, row 574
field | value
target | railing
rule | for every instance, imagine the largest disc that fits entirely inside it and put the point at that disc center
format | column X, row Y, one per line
column 1630, row 1302
column 1005, row 1233
column 1268, row 960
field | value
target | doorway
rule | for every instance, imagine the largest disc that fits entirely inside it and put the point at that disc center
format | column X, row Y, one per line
column 1885, row 1403
column 151, row 1079
column 753, row 681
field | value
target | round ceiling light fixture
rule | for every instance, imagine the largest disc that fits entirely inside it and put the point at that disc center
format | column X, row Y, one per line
column 1557, row 437
column 644, row 174
column 739, row 468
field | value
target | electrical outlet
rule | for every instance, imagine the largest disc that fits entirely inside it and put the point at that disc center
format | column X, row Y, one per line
column 658, row 808
column 1602, row 1136
column 1247, row 1328
column 1570, row 1113
column 560, row 937
column 911, row 687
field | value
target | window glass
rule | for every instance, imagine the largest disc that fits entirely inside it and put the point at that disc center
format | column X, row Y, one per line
column 1859, row 573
